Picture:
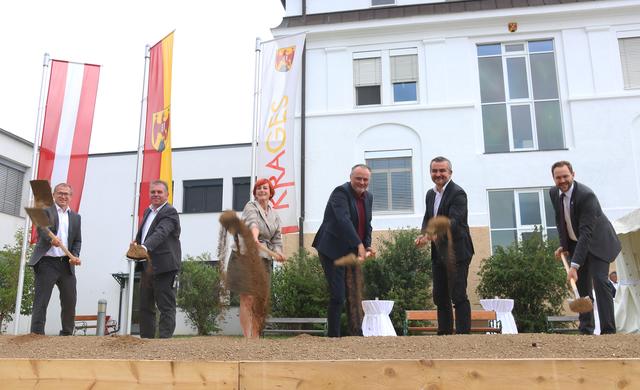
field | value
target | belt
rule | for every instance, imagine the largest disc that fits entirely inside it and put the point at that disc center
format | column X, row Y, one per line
column 61, row 258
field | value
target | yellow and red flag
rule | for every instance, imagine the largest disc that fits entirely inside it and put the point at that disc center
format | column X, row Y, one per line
column 156, row 163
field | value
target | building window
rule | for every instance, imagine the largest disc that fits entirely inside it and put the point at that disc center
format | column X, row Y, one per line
column 404, row 77
column 241, row 191
column 516, row 214
column 11, row 179
column 630, row 58
column 375, row 3
column 202, row 196
column 391, row 184
column 367, row 80
column 519, row 97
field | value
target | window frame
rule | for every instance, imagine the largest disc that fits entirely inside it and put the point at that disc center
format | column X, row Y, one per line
column 387, row 155
column 198, row 183
column 627, row 84
column 530, row 101
column 20, row 171
column 240, row 181
column 519, row 228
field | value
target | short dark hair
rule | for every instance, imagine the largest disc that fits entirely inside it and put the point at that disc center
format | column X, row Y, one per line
column 66, row 185
column 561, row 163
column 441, row 159
column 365, row 166
column 160, row 182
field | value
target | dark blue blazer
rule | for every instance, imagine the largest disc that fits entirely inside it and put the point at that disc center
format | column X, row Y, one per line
column 454, row 206
column 593, row 230
column 163, row 240
column 338, row 234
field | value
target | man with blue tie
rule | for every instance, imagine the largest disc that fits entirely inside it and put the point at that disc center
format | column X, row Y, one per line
column 588, row 238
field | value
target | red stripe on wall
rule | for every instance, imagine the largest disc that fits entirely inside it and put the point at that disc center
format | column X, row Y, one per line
column 155, row 103
column 82, row 133
column 52, row 114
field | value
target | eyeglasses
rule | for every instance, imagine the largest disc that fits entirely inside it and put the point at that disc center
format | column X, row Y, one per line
column 63, row 194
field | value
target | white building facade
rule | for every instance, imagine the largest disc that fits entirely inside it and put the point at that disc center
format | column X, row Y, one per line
column 501, row 88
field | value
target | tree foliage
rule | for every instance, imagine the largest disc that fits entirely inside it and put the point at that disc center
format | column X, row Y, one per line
column 528, row 273
column 400, row 272
column 200, row 293
column 298, row 287
column 9, row 271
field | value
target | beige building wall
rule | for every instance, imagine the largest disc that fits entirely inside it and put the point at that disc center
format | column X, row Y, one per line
column 481, row 244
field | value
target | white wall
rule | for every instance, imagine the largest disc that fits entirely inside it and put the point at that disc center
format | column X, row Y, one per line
column 18, row 153
column 600, row 118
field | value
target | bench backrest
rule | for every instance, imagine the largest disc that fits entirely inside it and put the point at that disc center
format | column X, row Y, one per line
column 432, row 315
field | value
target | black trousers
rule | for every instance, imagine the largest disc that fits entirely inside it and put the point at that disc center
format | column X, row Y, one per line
column 338, row 291
column 593, row 275
column 158, row 290
column 50, row 271
column 444, row 295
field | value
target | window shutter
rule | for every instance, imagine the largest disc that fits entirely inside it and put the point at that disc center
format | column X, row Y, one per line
column 366, row 71
column 630, row 58
column 404, row 69
column 10, row 189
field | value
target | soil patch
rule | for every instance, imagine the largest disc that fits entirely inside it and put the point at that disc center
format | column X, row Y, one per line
column 304, row 347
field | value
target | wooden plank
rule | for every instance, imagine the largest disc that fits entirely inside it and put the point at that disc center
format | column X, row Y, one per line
column 442, row 374
column 116, row 374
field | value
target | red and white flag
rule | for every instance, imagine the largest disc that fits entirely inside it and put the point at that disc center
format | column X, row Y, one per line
column 68, row 118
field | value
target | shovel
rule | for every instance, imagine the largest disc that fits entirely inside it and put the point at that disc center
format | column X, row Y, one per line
column 578, row 305
column 40, row 218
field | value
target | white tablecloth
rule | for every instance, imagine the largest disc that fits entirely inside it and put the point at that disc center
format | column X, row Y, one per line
column 503, row 308
column 376, row 321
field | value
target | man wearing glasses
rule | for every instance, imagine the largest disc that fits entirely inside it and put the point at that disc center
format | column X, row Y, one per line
column 52, row 267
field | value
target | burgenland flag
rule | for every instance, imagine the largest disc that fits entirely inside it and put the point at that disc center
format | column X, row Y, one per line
column 68, row 118
column 280, row 75
column 156, row 162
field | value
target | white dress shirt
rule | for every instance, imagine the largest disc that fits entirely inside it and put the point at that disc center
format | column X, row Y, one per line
column 149, row 221
column 438, row 199
column 62, row 234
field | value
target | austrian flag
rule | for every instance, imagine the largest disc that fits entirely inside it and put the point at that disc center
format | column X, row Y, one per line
column 68, row 119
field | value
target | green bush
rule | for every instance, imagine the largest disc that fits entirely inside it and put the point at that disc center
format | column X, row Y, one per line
column 200, row 293
column 528, row 273
column 400, row 272
column 298, row 287
column 9, row 270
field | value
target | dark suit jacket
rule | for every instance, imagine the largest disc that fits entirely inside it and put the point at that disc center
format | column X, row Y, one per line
column 338, row 234
column 74, row 236
column 454, row 206
column 163, row 239
column 593, row 230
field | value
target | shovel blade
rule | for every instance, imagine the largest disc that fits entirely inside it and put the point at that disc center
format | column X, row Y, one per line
column 41, row 193
column 581, row 305
column 38, row 216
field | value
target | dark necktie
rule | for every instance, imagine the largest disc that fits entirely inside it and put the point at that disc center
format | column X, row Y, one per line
column 564, row 233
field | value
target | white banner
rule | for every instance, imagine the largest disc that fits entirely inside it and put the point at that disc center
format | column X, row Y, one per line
column 281, row 72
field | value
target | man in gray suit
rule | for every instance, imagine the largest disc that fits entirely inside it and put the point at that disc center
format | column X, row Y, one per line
column 588, row 237
column 159, row 233
column 52, row 267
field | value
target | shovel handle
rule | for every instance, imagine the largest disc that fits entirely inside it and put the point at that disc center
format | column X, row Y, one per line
column 573, row 282
column 269, row 252
column 64, row 248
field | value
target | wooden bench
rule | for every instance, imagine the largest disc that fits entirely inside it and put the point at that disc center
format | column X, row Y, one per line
column 481, row 321
column 563, row 324
column 84, row 322
column 283, row 325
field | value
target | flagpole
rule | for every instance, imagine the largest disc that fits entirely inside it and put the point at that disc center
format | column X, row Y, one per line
column 27, row 221
column 136, row 197
column 256, row 114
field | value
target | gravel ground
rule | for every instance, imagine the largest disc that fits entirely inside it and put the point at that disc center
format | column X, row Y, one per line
column 304, row 347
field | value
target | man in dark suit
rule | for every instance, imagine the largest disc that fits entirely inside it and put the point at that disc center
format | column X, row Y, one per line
column 52, row 267
column 159, row 233
column 346, row 228
column 450, row 200
column 588, row 237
